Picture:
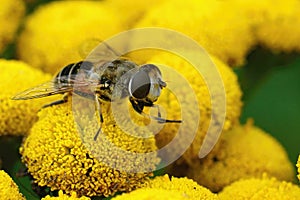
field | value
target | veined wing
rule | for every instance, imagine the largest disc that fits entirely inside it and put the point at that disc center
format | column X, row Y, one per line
column 59, row 85
column 98, row 51
column 43, row 90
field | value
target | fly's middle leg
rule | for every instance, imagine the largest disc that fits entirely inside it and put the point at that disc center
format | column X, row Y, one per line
column 63, row 100
column 100, row 116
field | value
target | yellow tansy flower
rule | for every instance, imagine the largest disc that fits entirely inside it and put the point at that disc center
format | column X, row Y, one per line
column 8, row 188
column 58, row 33
column 223, row 34
column 16, row 117
column 186, row 187
column 203, row 96
column 245, row 151
column 258, row 189
column 11, row 13
column 62, row 196
column 56, row 156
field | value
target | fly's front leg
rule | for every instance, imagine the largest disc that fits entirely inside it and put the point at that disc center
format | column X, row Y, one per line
column 162, row 120
column 158, row 118
column 63, row 100
column 99, row 113
column 158, row 110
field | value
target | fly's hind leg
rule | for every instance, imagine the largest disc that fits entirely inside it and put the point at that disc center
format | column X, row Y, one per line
column 63, row 100
column 100, row 116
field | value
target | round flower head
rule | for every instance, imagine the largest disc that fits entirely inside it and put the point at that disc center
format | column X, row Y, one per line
column 195, row 89
column 8, row 188
column 257, row 189
column 223, row 34
column 16, row 117
column 245, row 151
column 188, row 188
column 11, row 13
column 56, row 156
column 62, row 196
column 63, row 32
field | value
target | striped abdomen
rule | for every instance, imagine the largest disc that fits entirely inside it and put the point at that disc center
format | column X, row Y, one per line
column 67, row 75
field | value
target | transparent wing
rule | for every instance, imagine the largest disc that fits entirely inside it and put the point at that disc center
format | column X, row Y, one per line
column 43, row 90
column 96, row 50
column 61, row 86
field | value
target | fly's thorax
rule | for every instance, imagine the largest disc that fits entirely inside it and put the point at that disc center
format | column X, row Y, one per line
column 113, row 78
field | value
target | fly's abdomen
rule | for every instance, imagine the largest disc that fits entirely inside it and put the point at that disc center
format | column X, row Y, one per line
column 67, row 76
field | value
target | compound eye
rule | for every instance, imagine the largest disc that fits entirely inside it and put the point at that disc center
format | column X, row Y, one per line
column 140, row 85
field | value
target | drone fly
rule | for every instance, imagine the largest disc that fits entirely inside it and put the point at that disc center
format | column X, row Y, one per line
column 105, row 81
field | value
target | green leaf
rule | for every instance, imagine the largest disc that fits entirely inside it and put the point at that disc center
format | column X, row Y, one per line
column 11, row 164
column 274, row 103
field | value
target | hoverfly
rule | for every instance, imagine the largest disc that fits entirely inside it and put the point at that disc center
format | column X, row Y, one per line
column 105, row 80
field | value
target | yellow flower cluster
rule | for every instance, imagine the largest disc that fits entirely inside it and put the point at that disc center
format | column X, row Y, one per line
column 60, row 157
column 62, row 196
column 202, row 93
column 8, row 188
column 11, row 13
column 245, row 152
column 228, row 39
column 188, row 188
column 257, row 189
column 230, row 35
column 56, row 156
column 58, row 33
column 16, row 117
column 243, row 25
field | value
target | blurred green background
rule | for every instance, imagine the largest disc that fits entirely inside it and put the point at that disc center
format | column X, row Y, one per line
column 271, row 86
